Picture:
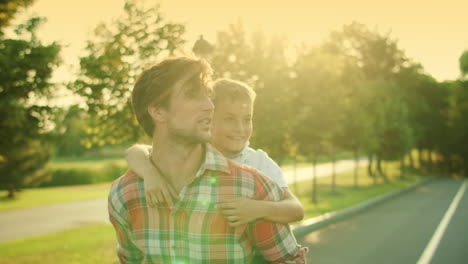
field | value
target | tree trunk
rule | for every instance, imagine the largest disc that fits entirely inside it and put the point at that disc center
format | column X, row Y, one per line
column 420, row 157
column 314, row 181
column 296, row 191
column 369, row 166
column 379, row 169
column 402, row 168
column 429, row 158
column 411, row 160
column 11, row 191
column 333, row 173
column 356, row 167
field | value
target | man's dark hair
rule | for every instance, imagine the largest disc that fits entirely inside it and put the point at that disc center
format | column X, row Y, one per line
column 155, row 84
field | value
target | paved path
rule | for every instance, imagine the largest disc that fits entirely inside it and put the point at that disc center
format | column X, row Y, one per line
column 22, row 223
column 322, row 170
column 399, row 230
column 17, row 224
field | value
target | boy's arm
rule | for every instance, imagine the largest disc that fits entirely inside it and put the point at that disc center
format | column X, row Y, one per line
column 137, row 157
column 243, row 210
column 157, row 189
column 275, row 241
column 286, row 211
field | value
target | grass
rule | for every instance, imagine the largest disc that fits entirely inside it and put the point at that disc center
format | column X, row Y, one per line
column 346, row 194
column 33, row 197
column 92, row 244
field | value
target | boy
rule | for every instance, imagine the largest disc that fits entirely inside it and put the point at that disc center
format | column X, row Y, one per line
column 232, row 129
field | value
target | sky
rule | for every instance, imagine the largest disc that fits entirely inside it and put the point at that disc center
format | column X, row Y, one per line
column 434, row 33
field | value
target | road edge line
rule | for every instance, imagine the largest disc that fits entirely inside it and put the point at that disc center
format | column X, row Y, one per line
column 433, row 244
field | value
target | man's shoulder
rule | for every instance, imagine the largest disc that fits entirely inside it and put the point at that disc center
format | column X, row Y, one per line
column 126, row 186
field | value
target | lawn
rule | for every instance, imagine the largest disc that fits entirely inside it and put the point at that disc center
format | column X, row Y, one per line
column 92, row 244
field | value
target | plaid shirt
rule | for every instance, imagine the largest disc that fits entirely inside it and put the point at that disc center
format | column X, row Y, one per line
column 194, row 230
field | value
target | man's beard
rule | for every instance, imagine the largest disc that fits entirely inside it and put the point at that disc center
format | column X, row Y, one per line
column 189, row 137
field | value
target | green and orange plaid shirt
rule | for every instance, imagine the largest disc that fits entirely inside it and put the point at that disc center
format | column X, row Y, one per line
column 194, row 230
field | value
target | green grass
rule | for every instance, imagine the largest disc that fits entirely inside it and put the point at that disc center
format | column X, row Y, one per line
column 28, row 198
column 93, row 244
column 346, row 194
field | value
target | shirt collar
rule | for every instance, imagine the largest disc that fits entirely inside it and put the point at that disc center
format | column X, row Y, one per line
column 214, row 160
column 241, row 153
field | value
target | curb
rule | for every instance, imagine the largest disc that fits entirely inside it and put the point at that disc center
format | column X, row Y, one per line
column 315, row 223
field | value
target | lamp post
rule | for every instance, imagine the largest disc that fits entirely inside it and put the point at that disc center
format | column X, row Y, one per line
column 203, row 49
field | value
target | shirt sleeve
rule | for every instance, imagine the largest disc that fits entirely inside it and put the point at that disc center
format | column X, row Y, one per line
column 271, row 169
column 127, row 249
column 274, row 241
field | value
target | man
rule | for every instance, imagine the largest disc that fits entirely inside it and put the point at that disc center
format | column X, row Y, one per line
column 171, row 101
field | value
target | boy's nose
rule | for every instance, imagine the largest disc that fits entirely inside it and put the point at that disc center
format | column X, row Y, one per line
column 239, row 127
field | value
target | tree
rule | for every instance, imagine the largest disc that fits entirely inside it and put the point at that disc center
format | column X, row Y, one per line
column 69, row 133
column 260, row 61
column 463, row 61
column 318, row 103
column 9, row 8
column 26, row 66
column 116, row 55
column 378, row 59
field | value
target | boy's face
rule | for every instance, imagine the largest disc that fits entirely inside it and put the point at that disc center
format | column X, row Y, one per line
column 232, row 125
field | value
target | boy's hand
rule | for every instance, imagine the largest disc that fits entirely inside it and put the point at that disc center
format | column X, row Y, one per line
column 158, row 190
column 240, row 210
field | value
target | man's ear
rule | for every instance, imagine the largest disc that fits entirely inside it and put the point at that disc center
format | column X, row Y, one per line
column 156, row 113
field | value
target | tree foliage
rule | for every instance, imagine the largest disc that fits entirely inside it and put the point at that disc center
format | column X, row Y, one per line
column 116, row 55
column 8, row 10
column 261, row 62
column 463, row 62
column 26, row 66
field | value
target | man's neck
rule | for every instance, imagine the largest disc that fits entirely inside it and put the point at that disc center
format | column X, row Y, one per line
column 178, row 162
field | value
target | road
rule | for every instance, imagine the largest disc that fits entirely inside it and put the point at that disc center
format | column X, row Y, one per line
column 399, row 230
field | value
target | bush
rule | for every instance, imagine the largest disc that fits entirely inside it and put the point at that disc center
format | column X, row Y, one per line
column 75, row 176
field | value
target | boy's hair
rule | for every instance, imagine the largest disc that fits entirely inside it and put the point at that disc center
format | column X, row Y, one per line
column 233, row 90
column 154, row 85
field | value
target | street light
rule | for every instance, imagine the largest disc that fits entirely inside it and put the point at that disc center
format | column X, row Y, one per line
column 203, row 49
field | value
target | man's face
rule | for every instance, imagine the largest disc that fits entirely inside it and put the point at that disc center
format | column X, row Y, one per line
column 232, row 125
column 190, row 111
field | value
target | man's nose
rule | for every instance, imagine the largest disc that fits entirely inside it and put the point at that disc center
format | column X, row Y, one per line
column 208, row 104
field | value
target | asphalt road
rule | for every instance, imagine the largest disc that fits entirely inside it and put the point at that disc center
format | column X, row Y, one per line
column 399, row 230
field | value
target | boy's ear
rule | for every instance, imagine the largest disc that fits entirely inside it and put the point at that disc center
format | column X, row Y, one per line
column 156, row 113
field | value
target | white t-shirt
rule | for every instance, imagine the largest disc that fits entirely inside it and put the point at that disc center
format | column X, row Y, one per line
column 260, row 160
